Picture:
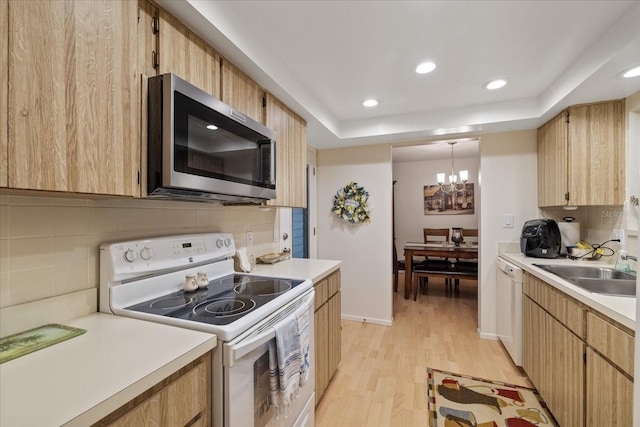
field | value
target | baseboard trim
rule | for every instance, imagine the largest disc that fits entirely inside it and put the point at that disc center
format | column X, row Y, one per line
column 368, row 320
column 493, row 337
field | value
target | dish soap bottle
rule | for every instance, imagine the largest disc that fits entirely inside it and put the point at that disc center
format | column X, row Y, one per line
column 623, row 262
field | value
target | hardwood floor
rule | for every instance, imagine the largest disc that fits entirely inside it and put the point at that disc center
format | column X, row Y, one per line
column 381, row 380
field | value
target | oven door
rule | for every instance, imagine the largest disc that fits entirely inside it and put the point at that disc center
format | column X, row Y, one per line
column 247, row 391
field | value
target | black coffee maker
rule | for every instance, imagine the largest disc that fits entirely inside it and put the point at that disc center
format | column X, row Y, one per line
column 540, row 238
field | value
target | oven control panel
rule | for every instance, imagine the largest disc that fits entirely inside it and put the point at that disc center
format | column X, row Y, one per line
column 134, row 258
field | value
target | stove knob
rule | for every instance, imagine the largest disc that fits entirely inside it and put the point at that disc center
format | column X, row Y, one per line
column 219, row 243
column 130, row 255
column 227, row 242
column 146, row 253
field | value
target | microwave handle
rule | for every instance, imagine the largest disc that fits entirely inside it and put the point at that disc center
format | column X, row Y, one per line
column 272, row 166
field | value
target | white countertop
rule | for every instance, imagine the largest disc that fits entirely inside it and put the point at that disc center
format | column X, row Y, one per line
column 298, row 268
column 620, row 309
column 83, row 379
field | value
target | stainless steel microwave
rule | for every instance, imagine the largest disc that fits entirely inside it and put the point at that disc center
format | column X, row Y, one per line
column 201, row 149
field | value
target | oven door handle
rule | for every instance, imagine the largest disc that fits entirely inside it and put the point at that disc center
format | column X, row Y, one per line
column 236, row 350
column 240, row 350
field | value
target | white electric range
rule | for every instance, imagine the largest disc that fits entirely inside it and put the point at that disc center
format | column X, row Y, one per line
column 145, row 279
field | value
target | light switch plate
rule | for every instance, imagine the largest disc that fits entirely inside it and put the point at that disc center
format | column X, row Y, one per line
column 249, row 238
column 507, row 221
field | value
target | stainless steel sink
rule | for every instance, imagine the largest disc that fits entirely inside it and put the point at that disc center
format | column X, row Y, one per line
column 599, row 280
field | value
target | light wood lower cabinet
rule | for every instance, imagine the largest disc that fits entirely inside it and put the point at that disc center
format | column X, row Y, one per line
column 609, row 394
column 183, row 399
column 554, row 360
column 328, row 330
column 580, row 361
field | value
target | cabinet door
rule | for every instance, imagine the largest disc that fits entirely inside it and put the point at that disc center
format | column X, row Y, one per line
column 552, row 162
column 4, row 82
column 185, row 54
column 148, row 16
column 321, row 321
column 291, row 154
column 553, row 358
column 335, row 332
column 609, row 394
column 73, row 106
column 242, row 93
column 597, row 153
column 183, row 401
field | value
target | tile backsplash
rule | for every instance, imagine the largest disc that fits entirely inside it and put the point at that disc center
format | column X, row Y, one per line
column 597, row 224
column 49, row 246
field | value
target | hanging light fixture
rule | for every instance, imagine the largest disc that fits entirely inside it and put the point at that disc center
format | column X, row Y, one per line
column 453, row 184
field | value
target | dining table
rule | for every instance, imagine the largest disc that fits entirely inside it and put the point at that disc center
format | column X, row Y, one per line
column 434, row 249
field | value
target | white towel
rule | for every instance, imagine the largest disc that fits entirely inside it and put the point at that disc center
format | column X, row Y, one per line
column 284, row 365
column 302, row 315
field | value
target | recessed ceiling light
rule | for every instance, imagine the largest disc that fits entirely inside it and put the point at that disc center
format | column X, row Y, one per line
column 425, row 67
column 495, row 84
column 370, row 103
column 212, row 127
column 632, row 72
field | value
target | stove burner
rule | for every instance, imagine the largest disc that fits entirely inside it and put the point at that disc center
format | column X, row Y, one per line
column 262, row 287
column 224, row 307
column 172, row 302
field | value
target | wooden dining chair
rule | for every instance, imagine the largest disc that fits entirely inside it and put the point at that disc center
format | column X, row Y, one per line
column 435, row 235
column 468, row 265
column 431, row 235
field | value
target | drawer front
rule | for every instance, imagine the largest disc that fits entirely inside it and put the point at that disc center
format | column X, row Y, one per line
column 611, row 341
column 334, row 283
column 556, row 303
column 321, row 288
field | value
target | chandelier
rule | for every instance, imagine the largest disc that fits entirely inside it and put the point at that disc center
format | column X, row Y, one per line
column 453, row 184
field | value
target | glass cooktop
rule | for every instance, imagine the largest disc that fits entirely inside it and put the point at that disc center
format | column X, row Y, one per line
column 222, row 302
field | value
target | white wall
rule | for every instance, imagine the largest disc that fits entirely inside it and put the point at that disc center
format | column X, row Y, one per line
column 411, row 178
column 364, row 249
column 508, row 165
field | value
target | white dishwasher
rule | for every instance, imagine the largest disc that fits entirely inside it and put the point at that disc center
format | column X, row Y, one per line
column 509, row 308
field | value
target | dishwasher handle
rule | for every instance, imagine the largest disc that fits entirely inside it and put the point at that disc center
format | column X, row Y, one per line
column 515, row 273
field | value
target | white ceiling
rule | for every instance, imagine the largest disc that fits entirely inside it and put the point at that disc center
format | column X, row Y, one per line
column 323, row 58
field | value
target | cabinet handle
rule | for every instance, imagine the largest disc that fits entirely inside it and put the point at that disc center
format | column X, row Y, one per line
column 154, row 60
column 155, row 25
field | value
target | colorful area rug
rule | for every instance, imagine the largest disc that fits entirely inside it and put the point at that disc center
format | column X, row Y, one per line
column 462, row 401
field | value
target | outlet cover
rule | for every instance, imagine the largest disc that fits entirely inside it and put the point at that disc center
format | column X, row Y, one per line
column 249, row 238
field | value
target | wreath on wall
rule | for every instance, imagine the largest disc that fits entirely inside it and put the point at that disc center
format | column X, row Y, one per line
column 351, row 204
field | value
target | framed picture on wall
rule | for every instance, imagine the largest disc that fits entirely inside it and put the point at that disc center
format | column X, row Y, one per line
column 457, row 201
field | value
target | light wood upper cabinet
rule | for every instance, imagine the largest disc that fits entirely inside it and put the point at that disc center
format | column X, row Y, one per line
column 291, row 154
column 581, row 156
column 4, row 83
column 597, row 152
column 185, row 54
column 242, row 93
column 553, row 161
column 148, row 21
column 73, row 99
